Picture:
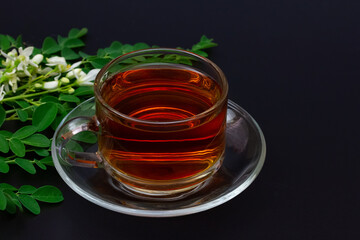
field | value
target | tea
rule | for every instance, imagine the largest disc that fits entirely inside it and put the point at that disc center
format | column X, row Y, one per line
column 164, row 140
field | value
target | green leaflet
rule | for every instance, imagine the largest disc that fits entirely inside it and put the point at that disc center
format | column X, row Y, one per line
column 44, row 115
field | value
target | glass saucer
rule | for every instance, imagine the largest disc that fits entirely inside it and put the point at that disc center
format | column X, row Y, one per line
column 244, row 158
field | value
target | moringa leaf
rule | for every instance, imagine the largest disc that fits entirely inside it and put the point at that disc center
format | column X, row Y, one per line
column 17, row 147
column 27, row 189
column 24, row 132
column 73, row 43
column 10, row 204
column 86, row 137
column 26, row 165
column 83, row 91
column 42, row 152
column 4, row 167
column 29, row 203
column 69, row 98
column 48, row 194
column 4, row 42
column 4, row 144
column 6, row 186
column 44, row 115
column 2, row 115
column 47, row 161
column 77, row 33
column 23, row 115
column 50, row 46
column 40, row 164
column 69, row 54
column 3, row 201
column 37, row 140
column 6, row 134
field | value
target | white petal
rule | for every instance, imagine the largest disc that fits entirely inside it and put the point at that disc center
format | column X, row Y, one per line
column 51, row 85
column 57, row 77
column 27, row 51
column 91, row 75
column 38, row 58
column 56, row 61
column 75, row 65
column 7, row 56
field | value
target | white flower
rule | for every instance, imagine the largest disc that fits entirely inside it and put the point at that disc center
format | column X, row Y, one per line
column 83, row 79
column 2, row 92
column 10, row 58
column 60, row 62
column 51, row 85
column 12, row 79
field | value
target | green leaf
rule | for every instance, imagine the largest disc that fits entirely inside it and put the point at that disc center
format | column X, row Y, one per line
column 74, row 146
column 37, row 140
column 23, row 115
column 126, row 48
column 83, row 55
column 30, row 203
column 84, row 90
column 4, row 43
column 22, row 104
column 4, row 167
column 48, row 194
column 4, row 144
column 26, row 165
column 201, row 53
column 17, row 147
column 27, row 189
column 140, row 45
column 18, row 41
column 69, row 54
column 42, row 152
column 5, row 186
column 47, row 161
column 204, row 43
column 76, row 33
column 3, row 201
column 101, row 53
column 49, row 99
column 73, row 43
column 99, row 62
column 6, row 134
column 25, row 132
column 2, row 115
column 86, row 137
column 10, row 206
column 61, row 40
column 69, row 98
column 40, row 164
column 36, row 51
column 50, row 46
column 44, row 115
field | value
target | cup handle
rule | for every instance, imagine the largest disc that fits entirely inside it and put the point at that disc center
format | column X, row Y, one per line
column 66, row 132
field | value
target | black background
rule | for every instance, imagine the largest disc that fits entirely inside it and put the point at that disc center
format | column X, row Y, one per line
column 293, row 65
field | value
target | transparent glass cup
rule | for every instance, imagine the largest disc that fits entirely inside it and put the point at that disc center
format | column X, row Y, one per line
column 160, row 123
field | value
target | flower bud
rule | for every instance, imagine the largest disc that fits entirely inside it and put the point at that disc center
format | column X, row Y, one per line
column 38, row 58
column 71, row 91
column 64, row 80
column 51, row 85
column 38, row 85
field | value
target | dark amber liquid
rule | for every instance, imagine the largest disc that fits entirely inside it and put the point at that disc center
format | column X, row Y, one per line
column 164, row 150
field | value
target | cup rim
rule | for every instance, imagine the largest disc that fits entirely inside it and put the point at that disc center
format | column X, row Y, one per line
column 205, row 113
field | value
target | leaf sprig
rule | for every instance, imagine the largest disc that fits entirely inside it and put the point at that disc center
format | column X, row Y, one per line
column 27, row 196
column 43, row 93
